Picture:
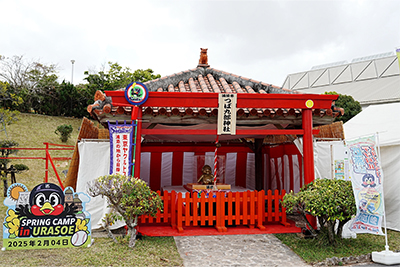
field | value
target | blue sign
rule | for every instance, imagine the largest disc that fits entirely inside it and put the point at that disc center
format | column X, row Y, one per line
column 136, row 93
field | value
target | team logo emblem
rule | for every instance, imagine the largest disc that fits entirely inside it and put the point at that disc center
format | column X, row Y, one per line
column 136, row 93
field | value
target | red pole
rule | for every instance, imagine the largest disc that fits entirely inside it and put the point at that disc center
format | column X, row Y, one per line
column 308, row 149
column 134, row 114
column 308, row 154
column 138, row 143
column 55, row 170
column 47, row 163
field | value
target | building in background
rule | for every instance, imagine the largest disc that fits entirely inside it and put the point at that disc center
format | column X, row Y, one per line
column 370, row 80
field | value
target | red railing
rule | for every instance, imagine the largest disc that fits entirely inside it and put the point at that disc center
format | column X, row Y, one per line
column 47, row 157
column 250, row 208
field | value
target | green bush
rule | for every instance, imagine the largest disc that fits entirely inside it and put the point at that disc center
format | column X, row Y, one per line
column 329, row 200
column 64, row 131
column 129, row 198
column 21, row 167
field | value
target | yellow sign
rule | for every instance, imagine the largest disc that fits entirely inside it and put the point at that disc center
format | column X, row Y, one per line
column 398, row 55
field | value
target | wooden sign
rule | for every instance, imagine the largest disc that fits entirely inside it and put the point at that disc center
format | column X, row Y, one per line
column 227, row 114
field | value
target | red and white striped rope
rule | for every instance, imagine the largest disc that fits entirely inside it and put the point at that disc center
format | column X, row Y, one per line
column 216, row 160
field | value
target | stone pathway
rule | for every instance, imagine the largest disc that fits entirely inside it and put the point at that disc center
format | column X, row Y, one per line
column 236, row 250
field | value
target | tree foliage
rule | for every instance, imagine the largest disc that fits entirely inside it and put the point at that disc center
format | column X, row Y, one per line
column 331, row 201
column 129, row 198
column 32, row 86
column 64, row 131
column 32, row 81
column 116, row 77
column 72, row 100
column 7, row 150
column 7, row 116
column 351, row 106
column 7, row 97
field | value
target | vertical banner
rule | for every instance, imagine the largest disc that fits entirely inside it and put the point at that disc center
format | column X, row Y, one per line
column 367, row 180
column 339, row 169
column 398, row 55
column 227, row 114
column 121, row 148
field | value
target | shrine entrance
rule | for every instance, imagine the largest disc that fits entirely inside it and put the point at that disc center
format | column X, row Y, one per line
column 177, row 131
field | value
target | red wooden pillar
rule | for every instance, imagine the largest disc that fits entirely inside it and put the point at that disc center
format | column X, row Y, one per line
column 308, row 149
column 138, row 143
column 308, row 154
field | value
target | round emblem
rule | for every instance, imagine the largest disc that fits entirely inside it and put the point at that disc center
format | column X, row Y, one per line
column 136, row 93
column 309, row 103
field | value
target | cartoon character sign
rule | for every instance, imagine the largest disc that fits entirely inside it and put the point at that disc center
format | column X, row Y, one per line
column 46, row 217
column 366, row 177
column 136, row 93
column 370, row 199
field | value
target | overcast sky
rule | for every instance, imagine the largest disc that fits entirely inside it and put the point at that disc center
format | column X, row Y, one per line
column 262, row 40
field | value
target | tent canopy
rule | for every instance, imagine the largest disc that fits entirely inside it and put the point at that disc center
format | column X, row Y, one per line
column 382, row 119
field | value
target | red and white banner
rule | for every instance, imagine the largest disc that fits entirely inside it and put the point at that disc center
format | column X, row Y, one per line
column 121, row 148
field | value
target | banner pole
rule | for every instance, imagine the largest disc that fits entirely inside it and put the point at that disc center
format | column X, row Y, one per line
column 383, row 195
column 134, row 120
column 134, row 150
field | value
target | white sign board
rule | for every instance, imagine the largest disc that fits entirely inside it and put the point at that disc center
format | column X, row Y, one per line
column 227, row 114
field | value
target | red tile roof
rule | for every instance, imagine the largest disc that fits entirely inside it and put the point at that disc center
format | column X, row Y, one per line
column 212, row 80
column 206, row 79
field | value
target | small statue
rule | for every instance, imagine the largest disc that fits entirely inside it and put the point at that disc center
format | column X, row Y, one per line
column 203, row 61
column 206, row 177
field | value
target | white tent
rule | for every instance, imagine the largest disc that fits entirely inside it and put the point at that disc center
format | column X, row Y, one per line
column 385, row 120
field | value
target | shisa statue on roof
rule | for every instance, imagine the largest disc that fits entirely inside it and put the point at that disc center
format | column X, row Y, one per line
column 206, row 177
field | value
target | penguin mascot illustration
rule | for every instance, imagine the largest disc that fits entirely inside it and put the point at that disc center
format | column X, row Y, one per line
column 368, row 180
column 46, row 200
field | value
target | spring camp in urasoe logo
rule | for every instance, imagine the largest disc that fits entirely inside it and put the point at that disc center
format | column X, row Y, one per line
column 46, row 217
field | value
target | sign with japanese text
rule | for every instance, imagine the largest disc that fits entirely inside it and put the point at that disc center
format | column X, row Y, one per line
column 227, row 114
column 367, row 180
column 45, row 217
column 121, row 148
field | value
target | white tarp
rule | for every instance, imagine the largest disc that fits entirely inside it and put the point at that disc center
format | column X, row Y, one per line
column 94, row 161
column 384, row 120
column 328, row 158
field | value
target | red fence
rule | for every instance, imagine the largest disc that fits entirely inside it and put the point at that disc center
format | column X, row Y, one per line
column 250, row 208
column 47, row 157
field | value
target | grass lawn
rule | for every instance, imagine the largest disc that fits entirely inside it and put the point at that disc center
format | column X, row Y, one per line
column 31, row 131
column 317, row 250
column 150, row 251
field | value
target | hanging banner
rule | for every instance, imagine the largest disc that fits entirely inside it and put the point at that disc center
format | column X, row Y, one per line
column 227, row 114
column 121, row 148
column 45, row 217
column 398, row 55
column 367, row 180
